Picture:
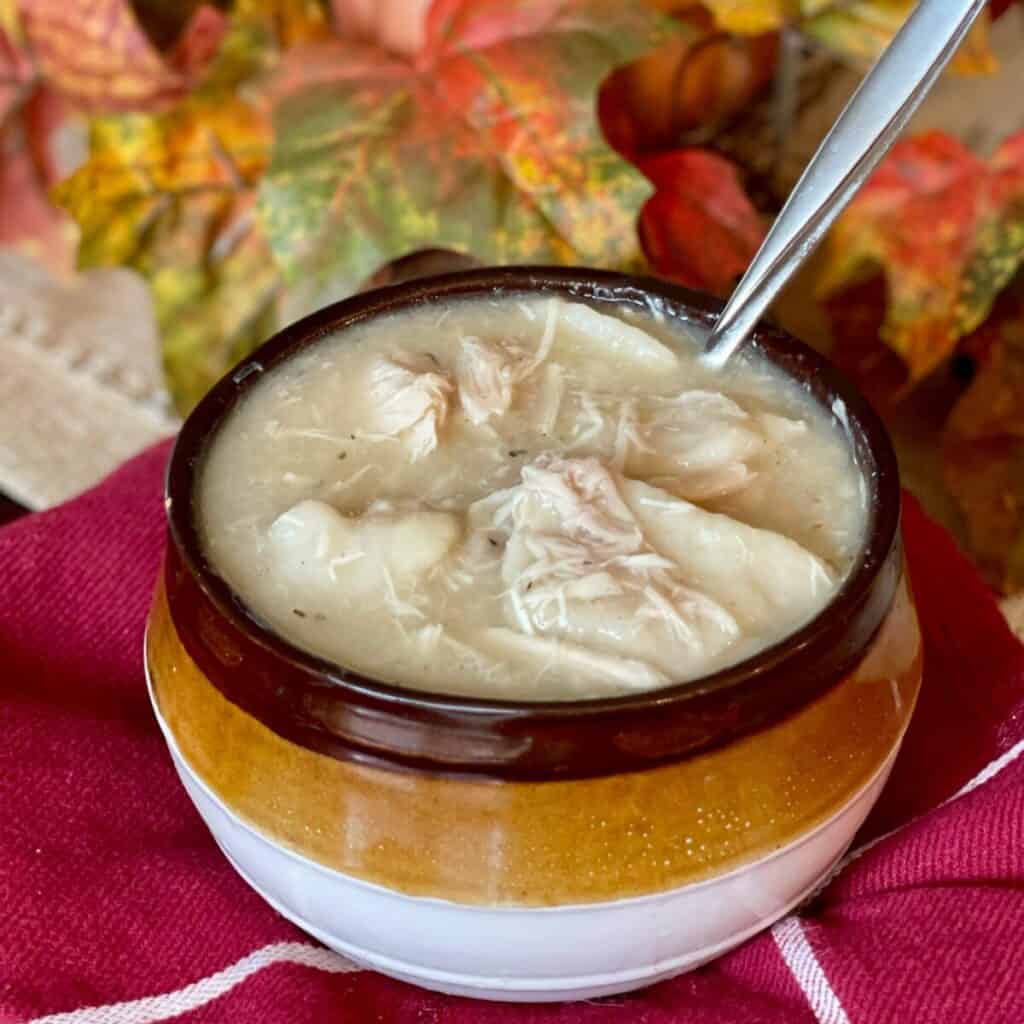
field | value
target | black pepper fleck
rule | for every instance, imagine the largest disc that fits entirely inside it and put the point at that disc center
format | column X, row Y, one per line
column 298, row 611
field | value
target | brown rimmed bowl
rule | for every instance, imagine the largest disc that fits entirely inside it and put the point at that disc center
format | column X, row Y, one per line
column 530, row 850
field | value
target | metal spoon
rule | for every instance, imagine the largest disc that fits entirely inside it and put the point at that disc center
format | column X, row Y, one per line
column 863, row 134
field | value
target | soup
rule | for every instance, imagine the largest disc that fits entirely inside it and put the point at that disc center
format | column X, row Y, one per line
column 530, row 498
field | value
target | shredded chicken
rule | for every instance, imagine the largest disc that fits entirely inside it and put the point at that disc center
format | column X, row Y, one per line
column 577, row 567
column 411, row 398
column 484, row 374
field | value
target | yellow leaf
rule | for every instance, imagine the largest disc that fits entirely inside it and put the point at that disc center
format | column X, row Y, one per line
column 975, row 56
column 9, row 23
column 752, row 17
column 292, row 22
column 860, row 31
column 172, row 195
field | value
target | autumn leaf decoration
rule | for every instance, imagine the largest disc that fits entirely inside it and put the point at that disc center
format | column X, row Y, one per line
column 699, row 228
column 307, row 157
column 983, row 446
column 484, row 141
column 60, row 60
column 858, row 30
column 946, row 228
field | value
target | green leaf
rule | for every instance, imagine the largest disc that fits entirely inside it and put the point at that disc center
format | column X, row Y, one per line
column 172, row 196
column 486, row 143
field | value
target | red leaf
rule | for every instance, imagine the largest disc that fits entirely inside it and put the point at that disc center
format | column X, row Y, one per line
column 396, row 25
column 16, row 76
column 28, row 168
column 454, row 26
column 699, row 228
column 30, row 116
column 856, row 316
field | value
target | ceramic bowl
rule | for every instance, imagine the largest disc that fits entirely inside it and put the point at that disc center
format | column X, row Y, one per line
column 534, row 851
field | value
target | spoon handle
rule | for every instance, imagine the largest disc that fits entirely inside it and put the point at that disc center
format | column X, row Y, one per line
column 863, row 134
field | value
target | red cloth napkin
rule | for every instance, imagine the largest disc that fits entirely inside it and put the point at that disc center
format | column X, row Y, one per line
column 118, row 908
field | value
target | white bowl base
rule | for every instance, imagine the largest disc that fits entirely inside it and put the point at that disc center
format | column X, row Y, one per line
column 528, row 954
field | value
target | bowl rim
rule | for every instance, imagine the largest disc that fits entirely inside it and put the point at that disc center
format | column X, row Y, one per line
column 875, row 457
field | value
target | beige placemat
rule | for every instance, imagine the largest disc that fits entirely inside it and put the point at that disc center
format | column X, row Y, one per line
column 81, row 388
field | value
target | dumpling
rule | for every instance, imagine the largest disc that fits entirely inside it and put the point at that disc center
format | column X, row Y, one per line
column 765, row 579
column 568, row 662
column 698, row 444
column 701, row 441
column 337, row 558
column 606, row 340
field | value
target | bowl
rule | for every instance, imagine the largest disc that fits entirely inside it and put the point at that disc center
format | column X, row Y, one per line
column 534, row 850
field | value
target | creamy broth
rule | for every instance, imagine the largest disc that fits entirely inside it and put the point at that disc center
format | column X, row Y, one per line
column 529, row 498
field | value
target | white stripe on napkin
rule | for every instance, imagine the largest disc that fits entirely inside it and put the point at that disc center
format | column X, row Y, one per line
column 989, row 772
column 789, row 935
column 191, row 997
column 803, row 962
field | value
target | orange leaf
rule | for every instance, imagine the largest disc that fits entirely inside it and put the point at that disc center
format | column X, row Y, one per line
column 948, row 231
column 699, row 228
column 16, row 73
column 698, row 78
column 98, row 56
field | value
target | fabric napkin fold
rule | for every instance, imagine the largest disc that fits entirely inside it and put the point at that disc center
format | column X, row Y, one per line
column 118, row 907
